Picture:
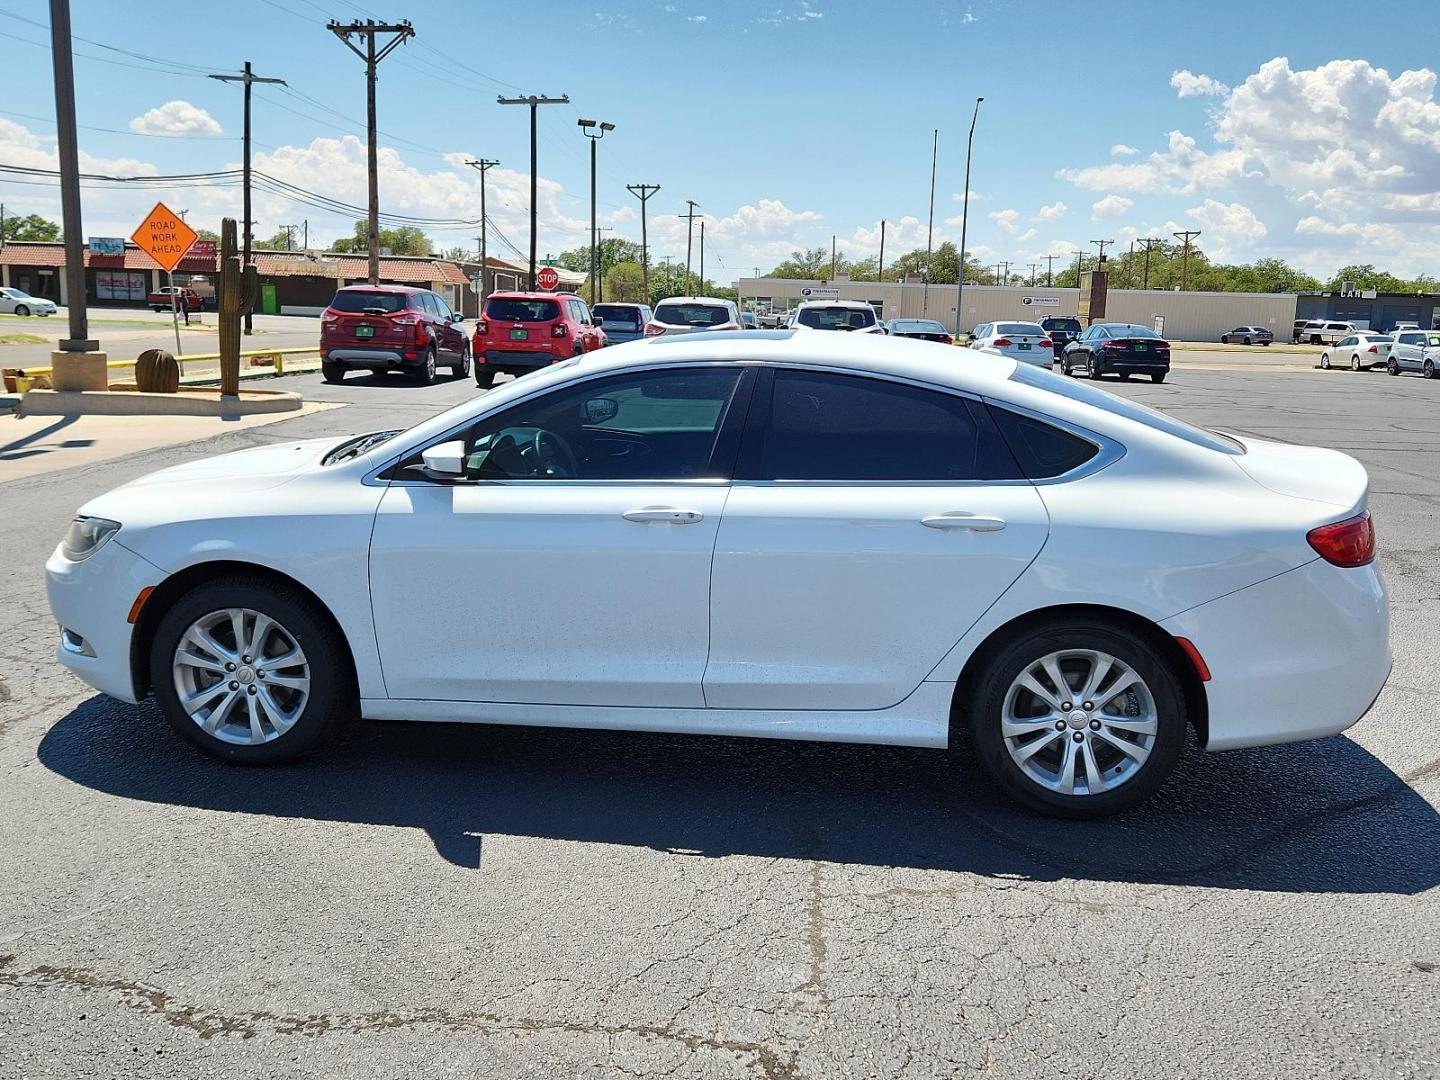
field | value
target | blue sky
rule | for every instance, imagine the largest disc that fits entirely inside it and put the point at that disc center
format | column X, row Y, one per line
column 1313, row 135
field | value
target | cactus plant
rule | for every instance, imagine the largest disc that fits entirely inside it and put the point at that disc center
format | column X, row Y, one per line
column 156, row 372
column 235, row 295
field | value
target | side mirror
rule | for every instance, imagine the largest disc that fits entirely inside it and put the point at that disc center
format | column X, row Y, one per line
column 445, row 461
column 599, row 410
column 455, row 316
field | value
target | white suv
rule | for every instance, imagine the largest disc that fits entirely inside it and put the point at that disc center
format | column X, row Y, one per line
column 1415, row 350
column 1326, row 332
column 855, row 316
column 692, row 314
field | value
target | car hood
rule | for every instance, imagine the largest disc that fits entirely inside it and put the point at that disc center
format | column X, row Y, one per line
column 1306, row 472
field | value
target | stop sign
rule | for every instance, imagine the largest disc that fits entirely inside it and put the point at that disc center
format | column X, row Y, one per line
column 547, row 278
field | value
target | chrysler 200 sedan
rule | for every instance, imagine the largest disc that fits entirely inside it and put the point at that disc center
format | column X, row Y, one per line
column 807, row 536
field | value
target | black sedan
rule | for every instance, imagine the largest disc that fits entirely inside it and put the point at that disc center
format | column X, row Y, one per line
column 1122, row 349
column 924, row 329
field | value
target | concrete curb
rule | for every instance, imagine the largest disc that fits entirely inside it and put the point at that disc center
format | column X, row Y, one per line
column 122, row 401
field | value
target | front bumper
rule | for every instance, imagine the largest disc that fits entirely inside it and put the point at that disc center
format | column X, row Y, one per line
column 1299, row 656
column 92, row 601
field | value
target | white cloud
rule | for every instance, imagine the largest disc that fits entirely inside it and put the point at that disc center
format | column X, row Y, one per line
column 1028, row 234
column 1121, row 150
column 1182, row 168
column 1006, row 220
column 1230, row 229
column 698, row 18
column 176, row 118
column 1111, row 206
column 1188, row 84
column 1054, row 212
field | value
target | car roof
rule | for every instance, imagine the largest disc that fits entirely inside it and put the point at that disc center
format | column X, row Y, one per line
column 520, row 294
column 363, row 286
column 692, row 300
column 836, row 303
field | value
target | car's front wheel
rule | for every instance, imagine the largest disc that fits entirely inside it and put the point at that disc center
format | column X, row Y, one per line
column 21, row 309
column 249, row 671
column 1324, row 361
column 1078, row 719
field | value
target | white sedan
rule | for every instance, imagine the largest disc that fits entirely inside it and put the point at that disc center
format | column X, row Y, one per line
column 1026, row 342
column 794, row 535
column 19, row 302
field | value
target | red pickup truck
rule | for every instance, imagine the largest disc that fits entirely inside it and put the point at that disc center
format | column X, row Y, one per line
column 160, row 301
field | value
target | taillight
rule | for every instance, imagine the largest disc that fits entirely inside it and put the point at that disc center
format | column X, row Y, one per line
column 1002, row 343
column 559, row 329
column 1374, row 350
column 482, row 328
column 652, row 329
column 420, row 336
column 1345, row 543
column 1045, row 344
column 948, row 340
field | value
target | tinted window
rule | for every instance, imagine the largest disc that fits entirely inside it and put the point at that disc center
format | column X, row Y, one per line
column 1042, row 449
column 1346, row 341
column 618, row 314
column 427, row 301
column 837, row 318
column 846, row 427
column 1126, row 330
column 1070, row 325
column 1020, row 329
column 363, row 300
column 692, row 314
column 637, row 426
column 522, row 310
column 916, row 326
column 1046, row 379
column 441, row 307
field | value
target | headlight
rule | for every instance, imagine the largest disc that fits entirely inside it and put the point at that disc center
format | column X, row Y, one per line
column 86, row 536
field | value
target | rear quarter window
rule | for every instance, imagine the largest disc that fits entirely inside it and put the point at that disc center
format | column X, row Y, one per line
column 1043, row 450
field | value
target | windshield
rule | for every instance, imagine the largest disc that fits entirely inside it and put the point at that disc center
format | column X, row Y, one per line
column 1046, row 379
column 692, row 314
column 619, row 314
column 837, row 318
column 363, row 300
column 516, row 310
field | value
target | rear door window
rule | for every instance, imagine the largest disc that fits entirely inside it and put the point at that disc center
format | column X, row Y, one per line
column 824, row 426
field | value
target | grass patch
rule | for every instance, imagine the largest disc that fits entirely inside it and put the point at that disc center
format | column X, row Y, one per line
column 22, row 339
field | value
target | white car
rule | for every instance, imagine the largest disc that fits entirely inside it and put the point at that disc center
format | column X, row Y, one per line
column 854, row 316
column 1415, row 350
column 1359, row 352
column 693, row 314
column 808, row 536
column 19, row 302
column 1026, row 342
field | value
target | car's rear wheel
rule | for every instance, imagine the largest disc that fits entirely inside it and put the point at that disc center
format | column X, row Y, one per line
column 1092, row 369
column 1324, row 361
column 1392, row 367
column 426, row 372
column 1429, row 369
column 21, row 309
column 462, row 369
column 1247, row 341
column 1355, row 362
column 332, row 372
column 249, row 671
column 1158, row 377
column 1078, row 719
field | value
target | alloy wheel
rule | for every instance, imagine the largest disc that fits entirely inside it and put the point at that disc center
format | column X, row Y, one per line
column 241, row 676
column 1324, row 361
column 1355, row 363
column 1079, row 722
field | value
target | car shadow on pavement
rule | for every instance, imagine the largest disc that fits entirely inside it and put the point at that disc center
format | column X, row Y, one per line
column 1323, row 816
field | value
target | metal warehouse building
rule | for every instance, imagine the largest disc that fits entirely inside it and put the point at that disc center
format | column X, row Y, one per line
column 1190, row 316
column 1371, row 309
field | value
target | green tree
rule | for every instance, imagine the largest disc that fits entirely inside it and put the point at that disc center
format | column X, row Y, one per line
column 32, row 227
column 406, row 240
column 811, row 265
column 625, row 282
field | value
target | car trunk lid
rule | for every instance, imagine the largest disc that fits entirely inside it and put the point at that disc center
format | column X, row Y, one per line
column 1305, row 472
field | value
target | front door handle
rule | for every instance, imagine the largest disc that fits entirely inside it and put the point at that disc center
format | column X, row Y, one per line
column 961, row 519
column 668, row 515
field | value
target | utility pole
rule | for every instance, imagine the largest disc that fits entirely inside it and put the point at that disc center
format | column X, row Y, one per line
column 930, row 228
column 1049, row 270
column 643, row 193
column 599, row 268
column 1006, row 265
column 1102, row 245
column 832, row 255
column 965, row 218
column 1149, row 242
column 702, row 253
column 372, row 56
column 1079, row 264
column 880, row 271
column 484, row 165
column 588, row 127
column 534, row 101
column 68, row 148
column 249, row 78
column 689, row 233
column 1033, row 268
column 1185, row 236
column 668, row 277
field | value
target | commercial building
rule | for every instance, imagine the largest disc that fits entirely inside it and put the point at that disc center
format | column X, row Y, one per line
column 1193, row 316
column 1370, row 309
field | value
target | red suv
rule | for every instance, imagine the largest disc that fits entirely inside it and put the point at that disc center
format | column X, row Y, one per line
column 391, row 328
column 521, row 331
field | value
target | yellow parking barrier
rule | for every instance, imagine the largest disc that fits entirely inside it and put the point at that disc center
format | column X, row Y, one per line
column 278, row 354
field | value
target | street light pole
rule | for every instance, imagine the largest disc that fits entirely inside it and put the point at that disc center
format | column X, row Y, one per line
column 930, row 227
column 965, row 217
column 534, row 101
column 588, row 127
column 69, row 153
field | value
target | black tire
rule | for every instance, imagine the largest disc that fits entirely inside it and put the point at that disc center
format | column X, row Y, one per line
column 1124, row 376
column 332, row 696
column 1248, row 341
column 1428, row 370
column 462, row 369
column 1392, row 367
column 986, row 705
column 1092, row 369
column 1158, row 377
column 485, row 376
column 426, row 371
column 21, row 309
column 155, row 309
column 1315, row 339
column 1265, row 343
column 332, row 373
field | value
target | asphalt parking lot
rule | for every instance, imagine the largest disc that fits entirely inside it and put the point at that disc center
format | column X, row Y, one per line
column 497, row 902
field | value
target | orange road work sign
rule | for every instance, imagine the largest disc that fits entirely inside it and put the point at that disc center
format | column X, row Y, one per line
column 164, row 236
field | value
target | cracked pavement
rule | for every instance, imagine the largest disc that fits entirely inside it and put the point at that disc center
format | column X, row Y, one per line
column 509, row 902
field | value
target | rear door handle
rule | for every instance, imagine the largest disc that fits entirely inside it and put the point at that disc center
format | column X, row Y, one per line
column 961, row 519
column 668, row 515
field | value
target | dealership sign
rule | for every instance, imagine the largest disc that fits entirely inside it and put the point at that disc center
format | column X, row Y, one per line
column 1040, row 301
column 813, row 293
